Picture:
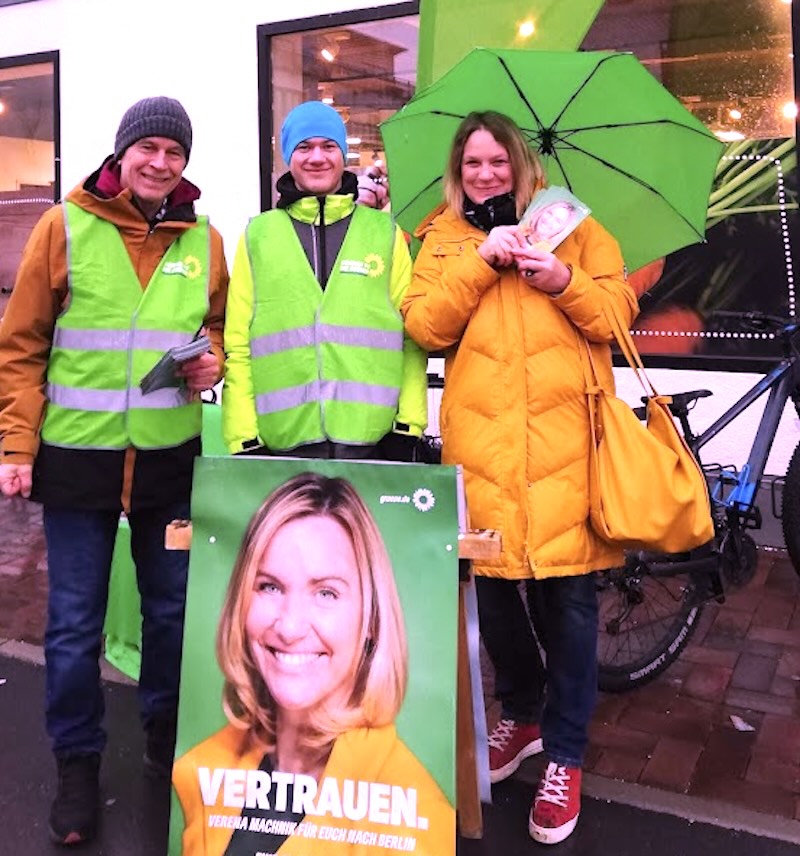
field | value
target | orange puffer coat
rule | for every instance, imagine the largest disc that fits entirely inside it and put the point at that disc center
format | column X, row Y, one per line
column 514, row 411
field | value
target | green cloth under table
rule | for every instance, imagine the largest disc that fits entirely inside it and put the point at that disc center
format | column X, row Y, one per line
column 123, row 626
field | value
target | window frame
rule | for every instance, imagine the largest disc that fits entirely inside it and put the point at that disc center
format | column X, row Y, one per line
column 53, row 58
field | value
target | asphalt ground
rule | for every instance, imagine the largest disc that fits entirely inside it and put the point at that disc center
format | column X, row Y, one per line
column 135, row 809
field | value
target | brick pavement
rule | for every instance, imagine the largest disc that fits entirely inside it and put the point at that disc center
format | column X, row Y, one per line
column 23, row 571
column 676, row 734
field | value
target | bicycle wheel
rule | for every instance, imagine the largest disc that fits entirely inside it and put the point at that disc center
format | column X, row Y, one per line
column 645, row 623
column 790, row 509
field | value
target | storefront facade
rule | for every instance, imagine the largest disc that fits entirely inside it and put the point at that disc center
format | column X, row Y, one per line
column 239, row 67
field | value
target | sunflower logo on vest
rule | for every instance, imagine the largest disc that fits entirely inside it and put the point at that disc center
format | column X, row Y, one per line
column 189, row 267
column 373, row 265
column 376, row 264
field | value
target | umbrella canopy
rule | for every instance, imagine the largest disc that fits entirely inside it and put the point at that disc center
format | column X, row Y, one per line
column 603, row 126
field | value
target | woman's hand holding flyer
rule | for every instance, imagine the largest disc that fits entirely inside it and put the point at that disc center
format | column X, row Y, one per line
column 553, row 213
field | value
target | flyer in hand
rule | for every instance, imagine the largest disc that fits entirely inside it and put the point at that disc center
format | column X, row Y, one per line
column 163, row 373
column 553, row 213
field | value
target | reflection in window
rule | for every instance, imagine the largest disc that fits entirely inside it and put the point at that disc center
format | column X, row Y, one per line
column 27, row 158
column 730, row 64
column 733, row 70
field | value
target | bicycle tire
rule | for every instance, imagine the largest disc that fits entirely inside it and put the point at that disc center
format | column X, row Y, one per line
column 790, row 509
column 645, row 623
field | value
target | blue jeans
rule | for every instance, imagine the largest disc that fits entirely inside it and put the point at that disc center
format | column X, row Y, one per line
column 80, row 545
column 561, row 696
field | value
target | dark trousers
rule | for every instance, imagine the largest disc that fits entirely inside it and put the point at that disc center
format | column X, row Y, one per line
column 80, row 546
column 562, row 694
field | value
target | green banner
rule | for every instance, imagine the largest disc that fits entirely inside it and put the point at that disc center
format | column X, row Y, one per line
column 449, row 29
column 322, row 606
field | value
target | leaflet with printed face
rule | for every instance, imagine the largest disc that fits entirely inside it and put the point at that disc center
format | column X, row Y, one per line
column 163, row 373
column 553, row 213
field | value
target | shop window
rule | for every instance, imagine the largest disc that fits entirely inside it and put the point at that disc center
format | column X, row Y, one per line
column 362, row 63
column 733, row 70
column 732, row 67
column 28, row 155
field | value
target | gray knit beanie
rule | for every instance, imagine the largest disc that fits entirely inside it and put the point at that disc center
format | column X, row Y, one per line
column 154, row 117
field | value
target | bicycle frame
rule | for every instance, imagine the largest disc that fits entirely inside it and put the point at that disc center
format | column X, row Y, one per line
column 737, row 508
column 650, row 606
column 783, row 383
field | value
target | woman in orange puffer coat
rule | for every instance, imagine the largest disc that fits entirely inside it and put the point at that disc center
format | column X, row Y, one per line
column 515, row 322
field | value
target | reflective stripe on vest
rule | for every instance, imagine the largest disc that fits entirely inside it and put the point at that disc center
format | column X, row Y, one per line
column 116, row 340
column 326, row 390
column 326, row 364
column 112, row 333
column 306, row 336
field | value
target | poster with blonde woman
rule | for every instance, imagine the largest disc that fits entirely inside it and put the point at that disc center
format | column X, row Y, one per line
column 553, row 213
column 317, row 706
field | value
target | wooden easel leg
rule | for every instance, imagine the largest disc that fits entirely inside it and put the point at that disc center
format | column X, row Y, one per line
column 470, row 816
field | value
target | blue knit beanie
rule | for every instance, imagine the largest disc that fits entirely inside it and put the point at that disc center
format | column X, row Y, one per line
column 312, row 119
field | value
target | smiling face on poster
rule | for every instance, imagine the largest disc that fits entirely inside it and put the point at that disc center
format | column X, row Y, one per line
column 305, row 618
column 329, row 668
column 552, row 214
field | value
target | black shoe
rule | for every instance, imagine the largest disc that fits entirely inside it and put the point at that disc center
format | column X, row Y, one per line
column 75, row 810
column 160, row 749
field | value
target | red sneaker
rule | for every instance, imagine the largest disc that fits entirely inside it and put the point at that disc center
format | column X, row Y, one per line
column 510, row 743
column 557, row 804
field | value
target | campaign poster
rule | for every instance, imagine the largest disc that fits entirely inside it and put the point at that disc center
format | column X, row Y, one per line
column 318, row 682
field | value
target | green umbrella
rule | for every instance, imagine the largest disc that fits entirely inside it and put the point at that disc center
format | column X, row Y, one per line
column 603, row 125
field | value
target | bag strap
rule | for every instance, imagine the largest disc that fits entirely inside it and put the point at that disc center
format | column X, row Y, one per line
column 628, row 349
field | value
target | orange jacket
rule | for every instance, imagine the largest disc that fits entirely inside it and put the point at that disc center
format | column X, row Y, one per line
column 513, row 411
column 375, row 755
column 39, row 296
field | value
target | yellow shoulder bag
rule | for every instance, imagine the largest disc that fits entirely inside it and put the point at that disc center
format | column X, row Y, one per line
column 646, row 489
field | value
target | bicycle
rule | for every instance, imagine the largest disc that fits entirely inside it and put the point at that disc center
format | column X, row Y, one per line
column 650, row 607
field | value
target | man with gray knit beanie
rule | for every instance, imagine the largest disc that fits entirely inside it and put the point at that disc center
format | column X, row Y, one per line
column 118, row 274
column 154, row 117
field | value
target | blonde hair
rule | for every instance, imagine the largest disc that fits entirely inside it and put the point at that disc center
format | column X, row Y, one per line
column 380, row 666
column 526, row 168
column 570, row 207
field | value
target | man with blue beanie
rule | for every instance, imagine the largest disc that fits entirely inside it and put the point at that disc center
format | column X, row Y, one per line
column 318, row 364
